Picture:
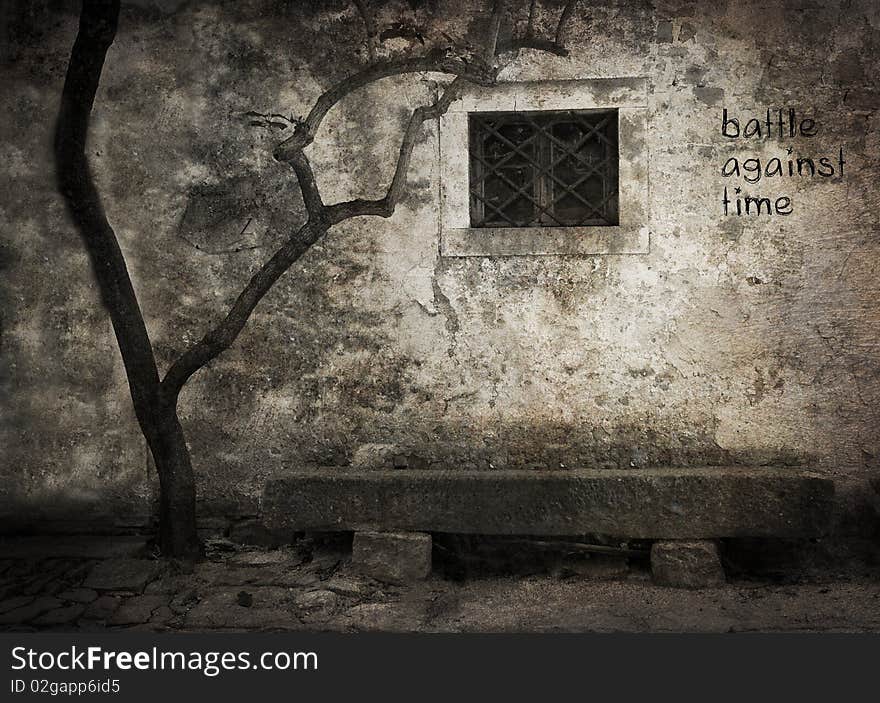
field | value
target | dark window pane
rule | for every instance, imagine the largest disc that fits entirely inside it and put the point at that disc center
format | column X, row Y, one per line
column 507, row 200
column 543, row 168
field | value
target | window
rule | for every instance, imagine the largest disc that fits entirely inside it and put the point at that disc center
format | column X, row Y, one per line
column 549, row 168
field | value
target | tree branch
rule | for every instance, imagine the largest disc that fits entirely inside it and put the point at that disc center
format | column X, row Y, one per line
column 97, row 31
column 563, row 21
column 370, row 26
column 538, row 43
column 385, row 206
column 530, row 27
column 224, row 334
column 494, row 30
column 308, row 185
column 437, row 60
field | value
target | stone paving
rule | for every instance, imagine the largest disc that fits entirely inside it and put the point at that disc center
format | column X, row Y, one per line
column 312, row 587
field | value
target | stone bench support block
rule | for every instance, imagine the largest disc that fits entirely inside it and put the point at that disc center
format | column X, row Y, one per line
column 693, row 564
column 397, row 557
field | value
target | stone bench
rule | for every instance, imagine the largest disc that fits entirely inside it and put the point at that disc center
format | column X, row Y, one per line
column 393, row 512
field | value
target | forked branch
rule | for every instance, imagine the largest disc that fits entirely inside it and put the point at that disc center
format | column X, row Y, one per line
column 322, row 217
column 436, row 61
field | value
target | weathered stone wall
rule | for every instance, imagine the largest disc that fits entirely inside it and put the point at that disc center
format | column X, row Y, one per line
column 736, row 340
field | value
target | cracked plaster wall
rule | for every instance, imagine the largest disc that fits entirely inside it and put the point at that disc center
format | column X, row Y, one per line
column 733, row 341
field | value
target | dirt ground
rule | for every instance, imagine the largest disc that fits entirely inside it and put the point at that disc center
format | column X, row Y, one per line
column 72, row 584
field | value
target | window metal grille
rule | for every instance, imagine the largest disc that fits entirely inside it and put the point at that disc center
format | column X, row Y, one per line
column 543, row 169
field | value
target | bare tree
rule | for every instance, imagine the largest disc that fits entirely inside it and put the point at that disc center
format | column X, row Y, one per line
column 155, row 398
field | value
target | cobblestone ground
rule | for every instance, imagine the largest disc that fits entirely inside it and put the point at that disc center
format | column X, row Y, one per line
column 113, row 584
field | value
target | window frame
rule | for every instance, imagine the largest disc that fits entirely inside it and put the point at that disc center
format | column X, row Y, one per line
column 630, row 236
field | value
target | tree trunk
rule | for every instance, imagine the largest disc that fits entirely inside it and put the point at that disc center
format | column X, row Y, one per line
column 158, row 420
column 178, row 536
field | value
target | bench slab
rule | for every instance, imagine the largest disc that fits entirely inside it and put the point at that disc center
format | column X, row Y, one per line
column 667, row 503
